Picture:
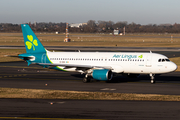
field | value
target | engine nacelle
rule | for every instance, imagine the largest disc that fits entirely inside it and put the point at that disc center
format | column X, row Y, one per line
column 102, row 74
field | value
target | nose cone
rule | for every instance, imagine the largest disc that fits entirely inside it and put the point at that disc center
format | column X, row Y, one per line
column 172, row 67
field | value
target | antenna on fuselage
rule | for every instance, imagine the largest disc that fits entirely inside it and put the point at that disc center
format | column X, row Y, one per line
column 150, row 51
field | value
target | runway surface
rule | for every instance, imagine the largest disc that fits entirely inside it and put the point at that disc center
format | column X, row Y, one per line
column 18, row 75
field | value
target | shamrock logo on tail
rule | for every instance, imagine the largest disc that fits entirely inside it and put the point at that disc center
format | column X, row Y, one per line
column 31, row 43
column 141, row 56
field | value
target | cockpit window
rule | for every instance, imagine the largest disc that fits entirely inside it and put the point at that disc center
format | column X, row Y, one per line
column 167, row 60
column 163, row 60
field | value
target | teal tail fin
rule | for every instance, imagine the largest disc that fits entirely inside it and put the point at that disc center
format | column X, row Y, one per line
column 32, row 43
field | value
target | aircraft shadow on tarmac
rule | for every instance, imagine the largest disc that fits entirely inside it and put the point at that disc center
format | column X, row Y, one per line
column 164, row 78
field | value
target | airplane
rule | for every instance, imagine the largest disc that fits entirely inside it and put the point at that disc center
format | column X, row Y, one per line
column 97, row 65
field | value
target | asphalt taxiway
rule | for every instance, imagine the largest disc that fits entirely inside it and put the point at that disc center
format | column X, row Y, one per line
column 87, row 109
column 19, row 75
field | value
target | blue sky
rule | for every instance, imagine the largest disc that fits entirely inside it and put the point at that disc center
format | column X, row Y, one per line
column 77, row 11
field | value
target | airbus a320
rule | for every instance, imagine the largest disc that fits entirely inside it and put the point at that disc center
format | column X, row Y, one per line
column 97, row 65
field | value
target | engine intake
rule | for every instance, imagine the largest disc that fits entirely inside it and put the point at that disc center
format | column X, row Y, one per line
column 102, row 74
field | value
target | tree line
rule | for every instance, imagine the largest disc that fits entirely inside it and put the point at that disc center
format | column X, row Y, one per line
column 95, row 27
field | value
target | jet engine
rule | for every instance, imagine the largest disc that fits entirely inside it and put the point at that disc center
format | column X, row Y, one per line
column 102, row 74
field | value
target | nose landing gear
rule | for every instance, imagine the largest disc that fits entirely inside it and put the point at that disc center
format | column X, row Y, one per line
column 152, row 78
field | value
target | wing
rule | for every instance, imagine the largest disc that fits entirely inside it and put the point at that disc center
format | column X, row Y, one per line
column 74, row 65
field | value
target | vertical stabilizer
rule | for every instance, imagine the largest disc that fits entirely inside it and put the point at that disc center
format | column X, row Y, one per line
column 32, row 43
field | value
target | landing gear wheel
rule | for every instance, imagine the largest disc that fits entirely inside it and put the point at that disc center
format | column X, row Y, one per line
column 152, row 78
column 86, row 80
column 152, row 81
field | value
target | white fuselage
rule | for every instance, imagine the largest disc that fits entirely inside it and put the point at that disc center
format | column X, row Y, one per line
column 119, row 62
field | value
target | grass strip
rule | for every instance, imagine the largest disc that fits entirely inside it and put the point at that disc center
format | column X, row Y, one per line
column 11, row 52
column 129, row 40
column 80, row 95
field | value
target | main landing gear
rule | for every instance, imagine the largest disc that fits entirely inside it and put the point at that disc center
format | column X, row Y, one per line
column 86, row 79
column 152, row 78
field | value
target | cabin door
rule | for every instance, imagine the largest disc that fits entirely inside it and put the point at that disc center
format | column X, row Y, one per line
column 149, row 61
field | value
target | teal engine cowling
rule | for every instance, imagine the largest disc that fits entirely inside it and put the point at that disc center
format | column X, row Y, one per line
column 102, row 74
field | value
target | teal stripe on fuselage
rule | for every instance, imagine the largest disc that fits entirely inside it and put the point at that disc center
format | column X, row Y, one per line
column 56, row 68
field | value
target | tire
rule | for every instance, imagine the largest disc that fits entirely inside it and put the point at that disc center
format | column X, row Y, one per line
column 152, row 81
column 86, row 80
